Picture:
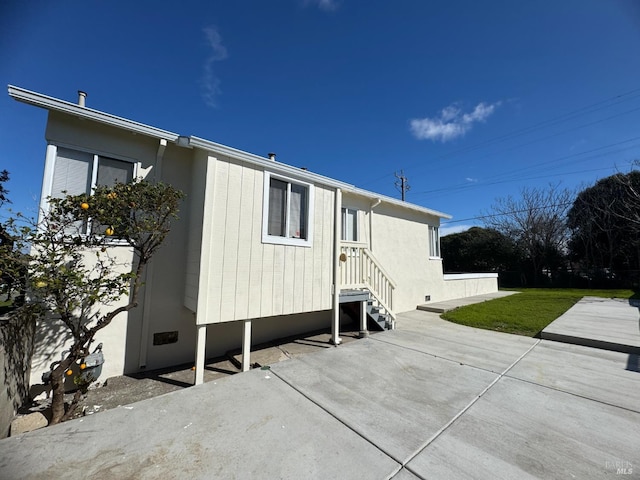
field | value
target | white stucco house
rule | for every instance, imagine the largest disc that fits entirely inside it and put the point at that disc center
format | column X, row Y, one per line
column 261, row 250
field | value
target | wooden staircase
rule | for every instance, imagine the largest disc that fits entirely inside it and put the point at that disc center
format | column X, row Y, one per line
column 362, row 278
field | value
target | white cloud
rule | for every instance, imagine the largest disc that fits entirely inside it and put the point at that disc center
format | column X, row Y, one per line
column 218, row 52
column 326, row 5
column 471, row 180
column 444, row 231
column 451, row 123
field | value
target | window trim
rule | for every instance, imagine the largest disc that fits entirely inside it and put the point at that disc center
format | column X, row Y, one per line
column 52, row 157
column 277, row 240
column 434, row 240
column 50, row 168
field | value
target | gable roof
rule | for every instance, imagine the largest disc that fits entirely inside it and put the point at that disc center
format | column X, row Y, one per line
column 49, row 103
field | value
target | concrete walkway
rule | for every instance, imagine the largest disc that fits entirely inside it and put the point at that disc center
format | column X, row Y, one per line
column 431, row 399
column 445, row 306
column 611, row 324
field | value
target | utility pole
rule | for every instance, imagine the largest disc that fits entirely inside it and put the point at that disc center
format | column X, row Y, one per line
column 402, row 184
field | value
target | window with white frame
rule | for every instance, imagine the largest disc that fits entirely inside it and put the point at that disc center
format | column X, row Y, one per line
column 349, row 224
column 286, row 214
column 76, row 172
column 434, row 242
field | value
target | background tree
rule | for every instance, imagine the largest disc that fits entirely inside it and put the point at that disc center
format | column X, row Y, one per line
column 479, row 250
column 535, row 222
column 4, row 178
column 12, row 267
column 73, row 276
column 629, row 205
column 605, row 229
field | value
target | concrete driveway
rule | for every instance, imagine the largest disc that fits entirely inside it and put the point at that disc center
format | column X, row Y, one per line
column 429, row 400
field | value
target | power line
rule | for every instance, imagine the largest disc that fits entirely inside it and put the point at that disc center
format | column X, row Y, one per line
column 562, row 132
column 538, row 126
column 538, row 177
column 524, row 210
column 552, row 161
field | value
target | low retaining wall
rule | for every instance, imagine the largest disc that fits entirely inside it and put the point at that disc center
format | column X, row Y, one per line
column 16, row 345
column 460, row 285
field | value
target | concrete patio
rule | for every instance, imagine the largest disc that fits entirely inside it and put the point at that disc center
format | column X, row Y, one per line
column 601, row 323
column 431, row 399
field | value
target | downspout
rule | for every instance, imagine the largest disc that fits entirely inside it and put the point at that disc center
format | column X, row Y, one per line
column 148, row 276
column 335, row 325
column 373, row 205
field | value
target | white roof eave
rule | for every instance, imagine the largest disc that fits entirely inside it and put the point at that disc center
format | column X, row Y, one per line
column 50, row 103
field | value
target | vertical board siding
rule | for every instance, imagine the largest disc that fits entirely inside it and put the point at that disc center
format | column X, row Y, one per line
column 218, row 240
column 257, row 249
column 278, row 279
column 265, row 293
column 230, row 250
column 245, row 240
column 319, row 260
column 307, row 282
column 327, row 246
column 288, row 277
column 251, row 279
column 194, row 241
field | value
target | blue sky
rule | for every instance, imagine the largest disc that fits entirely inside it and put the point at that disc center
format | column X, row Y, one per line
column 472, row 100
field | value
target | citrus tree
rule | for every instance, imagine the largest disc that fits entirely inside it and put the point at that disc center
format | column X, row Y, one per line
column 74, row 277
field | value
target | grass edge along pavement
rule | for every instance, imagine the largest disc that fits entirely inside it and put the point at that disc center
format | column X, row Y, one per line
column 527, row 312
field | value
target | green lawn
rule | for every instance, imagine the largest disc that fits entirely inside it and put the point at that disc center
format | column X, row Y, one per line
column 528, row 312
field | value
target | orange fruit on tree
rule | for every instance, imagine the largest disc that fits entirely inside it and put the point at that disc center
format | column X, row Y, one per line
column 109, row 231
column 69, row 372
column 84, row 206
column 83, row 366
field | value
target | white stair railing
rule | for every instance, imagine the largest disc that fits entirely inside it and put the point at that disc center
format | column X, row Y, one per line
column 360, row 269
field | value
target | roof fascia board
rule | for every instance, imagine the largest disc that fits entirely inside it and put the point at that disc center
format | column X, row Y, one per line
column 399, row 203
column 50, row 103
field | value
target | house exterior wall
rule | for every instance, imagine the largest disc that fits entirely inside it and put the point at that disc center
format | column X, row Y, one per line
column 128, row 340
column 401, row 245
column 163, row 309
column 71, row 132
column 217, row 267
column 244, row 278
column 52, row 337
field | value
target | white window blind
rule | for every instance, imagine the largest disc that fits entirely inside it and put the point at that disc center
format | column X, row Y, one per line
column 72, row 173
